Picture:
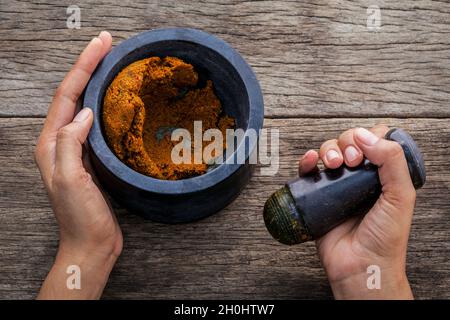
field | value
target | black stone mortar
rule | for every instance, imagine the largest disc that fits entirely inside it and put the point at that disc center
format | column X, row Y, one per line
column 238, row 90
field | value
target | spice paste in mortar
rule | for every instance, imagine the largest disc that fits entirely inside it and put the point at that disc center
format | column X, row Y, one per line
column 145, row 102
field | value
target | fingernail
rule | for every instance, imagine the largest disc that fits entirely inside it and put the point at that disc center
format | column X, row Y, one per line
column 366, row 137
column 332, row 154
column 82, row 115
column 351, row 154
column 102, row 32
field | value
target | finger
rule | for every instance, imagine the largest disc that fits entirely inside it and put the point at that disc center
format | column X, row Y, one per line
column 42, row 153
column 63, row 105
column 69, row 143
column 62, row 109
column 106, row 38
column 331, row 154
column 379, row 130
column 352, row 153
column 393, row 171
column 308, row 163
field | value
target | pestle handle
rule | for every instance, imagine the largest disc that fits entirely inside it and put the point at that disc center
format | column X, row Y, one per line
column 308, row 207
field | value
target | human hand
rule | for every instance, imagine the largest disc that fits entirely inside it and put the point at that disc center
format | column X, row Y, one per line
column 89, row 235
column 381, row 236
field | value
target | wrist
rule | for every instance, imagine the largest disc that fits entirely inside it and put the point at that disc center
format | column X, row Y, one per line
column 88, row 251
column 78, row 273
column 91, row 257
column 393, row 284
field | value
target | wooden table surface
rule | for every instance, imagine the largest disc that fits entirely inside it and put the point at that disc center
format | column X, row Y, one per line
column 321, row 71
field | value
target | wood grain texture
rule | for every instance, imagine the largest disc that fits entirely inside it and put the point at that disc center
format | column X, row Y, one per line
column 313, row 58
column 228, row 255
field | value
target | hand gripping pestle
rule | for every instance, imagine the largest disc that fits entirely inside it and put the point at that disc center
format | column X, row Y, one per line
column 308, row 207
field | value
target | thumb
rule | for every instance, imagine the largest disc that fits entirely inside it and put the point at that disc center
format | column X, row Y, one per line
column 393, row 171
column 70, row 139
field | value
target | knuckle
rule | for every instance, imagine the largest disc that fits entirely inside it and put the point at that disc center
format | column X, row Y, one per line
column 379, row 130
column 406, row 198
column 346, row 136
column 62, row 90
column 37, row 154
column 330, row 143
column 64, row 133
column 85, row 178
column 60, row 181
column 394, row 149
column 410, row 195
column 65, row 91
column 71, row 180
column 326, row 144
column 380, row 126
column 59, row 91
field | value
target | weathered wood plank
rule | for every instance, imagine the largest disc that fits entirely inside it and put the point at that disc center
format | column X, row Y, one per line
column 228, row 255
column 313, row 58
